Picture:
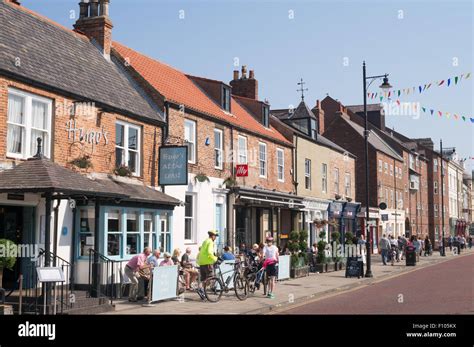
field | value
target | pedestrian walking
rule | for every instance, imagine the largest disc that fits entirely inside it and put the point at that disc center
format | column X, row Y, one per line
column 384, row 245
column 427, row 246
column 469, row 242
column 270, row 254
column 417, row 244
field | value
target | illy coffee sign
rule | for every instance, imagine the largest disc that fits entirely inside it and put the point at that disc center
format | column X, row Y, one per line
column 242, row 170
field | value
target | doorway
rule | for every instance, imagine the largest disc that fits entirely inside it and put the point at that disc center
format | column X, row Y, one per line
column 17, row 225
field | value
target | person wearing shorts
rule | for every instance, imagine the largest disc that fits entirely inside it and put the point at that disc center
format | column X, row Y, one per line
column 270, row 254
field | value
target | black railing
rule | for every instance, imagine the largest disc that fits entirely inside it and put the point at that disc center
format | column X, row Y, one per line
column 34, row 294
column 108, row 276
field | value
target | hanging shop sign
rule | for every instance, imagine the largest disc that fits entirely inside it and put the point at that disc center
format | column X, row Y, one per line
column 242, row 170
column 85, row 135
column 173, row 166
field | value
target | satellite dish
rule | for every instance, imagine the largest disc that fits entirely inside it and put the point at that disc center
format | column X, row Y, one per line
column 383, row 206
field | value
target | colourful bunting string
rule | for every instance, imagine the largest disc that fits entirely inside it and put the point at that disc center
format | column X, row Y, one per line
column 423, row 87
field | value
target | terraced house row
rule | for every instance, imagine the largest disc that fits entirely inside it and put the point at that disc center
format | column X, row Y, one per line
column 83, row 123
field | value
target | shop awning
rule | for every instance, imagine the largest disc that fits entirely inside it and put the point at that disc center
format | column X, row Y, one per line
column 271, row 197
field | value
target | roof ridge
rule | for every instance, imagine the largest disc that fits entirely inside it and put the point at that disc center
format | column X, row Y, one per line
column 46, row 20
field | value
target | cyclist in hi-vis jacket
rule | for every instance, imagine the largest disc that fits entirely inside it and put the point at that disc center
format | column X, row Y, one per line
column 207, row 258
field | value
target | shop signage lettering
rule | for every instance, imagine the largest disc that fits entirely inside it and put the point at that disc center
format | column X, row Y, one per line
column 242, row 170
column 173, row 165
column 86, row 135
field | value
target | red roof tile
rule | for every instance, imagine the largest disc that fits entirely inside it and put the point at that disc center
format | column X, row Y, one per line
column 175, row 86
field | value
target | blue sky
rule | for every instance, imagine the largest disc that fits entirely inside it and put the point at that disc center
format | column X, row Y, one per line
column 323, row 42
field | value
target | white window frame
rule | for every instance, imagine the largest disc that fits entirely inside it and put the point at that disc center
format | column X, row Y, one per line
column 391, row 170
column 262, row 160
column 347, row 184
column 242, row 152
column 307, row 174
column 191, row 141
column 219, row 151
column 435, row 187
column 336, row 180
column 386, row 168
column 192, row 218
column 28, row 99
column 324, row 178
column 126, row 150
column 380, row 165
column 280, row 165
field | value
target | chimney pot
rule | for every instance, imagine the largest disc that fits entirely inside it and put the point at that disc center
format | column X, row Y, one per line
column 104, row 8
column 244, row 71
column 251, row 74
column 236, row 75
column 84, row 9
column 94, row 4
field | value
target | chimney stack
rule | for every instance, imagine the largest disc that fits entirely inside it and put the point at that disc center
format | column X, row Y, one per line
column 95, row 26
column 243, row 86
column 319, row 113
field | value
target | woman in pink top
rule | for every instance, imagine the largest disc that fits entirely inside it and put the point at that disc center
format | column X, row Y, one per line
column 167, row 261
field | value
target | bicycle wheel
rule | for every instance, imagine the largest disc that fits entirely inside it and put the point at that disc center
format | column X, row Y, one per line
column 241, row 286
column 213, row 289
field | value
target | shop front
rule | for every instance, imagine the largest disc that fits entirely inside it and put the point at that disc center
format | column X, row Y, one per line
column 461, row 228
column 255, row 214
column 315, row 212
column 335, row 216
column 373, row 225
column 349, row 220
column 393, row 222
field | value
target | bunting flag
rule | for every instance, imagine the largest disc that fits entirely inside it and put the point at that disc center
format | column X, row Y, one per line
column 472, row 120
column 432, row 111
column 440, row 113
column 424, row 109
column 424, row 87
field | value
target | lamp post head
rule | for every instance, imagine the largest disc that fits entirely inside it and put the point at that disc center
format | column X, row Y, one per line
column 385, row 84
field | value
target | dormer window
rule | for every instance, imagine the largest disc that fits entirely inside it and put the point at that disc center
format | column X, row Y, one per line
column 265, row 116
column 313, row 129
column 226, row 98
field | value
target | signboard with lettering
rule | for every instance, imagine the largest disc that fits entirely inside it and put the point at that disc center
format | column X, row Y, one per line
column 283, row 267
column 173, row 166
column 165, row 283
column 242, row 170
column 354, row 267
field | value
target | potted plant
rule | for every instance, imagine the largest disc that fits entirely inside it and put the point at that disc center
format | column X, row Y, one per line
column 82, row 162
column 335, row 237
column 299, row 259
column 6, row 262
column 230, row 182
column 201, row 177
column 123, row 171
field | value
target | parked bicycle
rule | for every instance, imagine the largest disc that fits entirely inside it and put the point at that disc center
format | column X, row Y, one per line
column 216, row 285
column 255, row 274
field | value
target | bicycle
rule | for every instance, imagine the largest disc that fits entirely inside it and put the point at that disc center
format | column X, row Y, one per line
column 215, row 285
column 255, row 275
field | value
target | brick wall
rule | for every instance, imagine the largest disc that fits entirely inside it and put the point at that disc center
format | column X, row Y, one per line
column 205, row 154
column 65, row 149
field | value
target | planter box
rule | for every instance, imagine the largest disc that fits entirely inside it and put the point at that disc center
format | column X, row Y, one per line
column 338, row 266
column 330, row 267
column 298, row 272
column 321, row 268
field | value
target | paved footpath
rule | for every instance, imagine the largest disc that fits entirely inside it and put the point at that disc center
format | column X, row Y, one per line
column 294, row 291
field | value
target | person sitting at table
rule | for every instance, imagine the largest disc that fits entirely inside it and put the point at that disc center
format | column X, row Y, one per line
column 228, row 254
column 167, row 261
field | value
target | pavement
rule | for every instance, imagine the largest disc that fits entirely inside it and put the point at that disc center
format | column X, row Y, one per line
column 293, row 292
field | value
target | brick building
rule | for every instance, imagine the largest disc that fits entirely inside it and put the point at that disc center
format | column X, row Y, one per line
column 222, row 130
column 91, row 120
column 324, row 171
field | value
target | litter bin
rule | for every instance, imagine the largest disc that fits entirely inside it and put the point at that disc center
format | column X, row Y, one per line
column 410, row 256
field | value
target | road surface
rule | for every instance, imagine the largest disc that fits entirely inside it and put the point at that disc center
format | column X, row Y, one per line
column 444, row 288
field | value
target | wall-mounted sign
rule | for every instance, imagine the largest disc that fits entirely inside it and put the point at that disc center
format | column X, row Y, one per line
column 85, row 135
column 173, row 166
column 242, row 170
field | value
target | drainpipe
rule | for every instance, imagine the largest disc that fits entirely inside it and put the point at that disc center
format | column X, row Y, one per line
column 73, row 248
column 55, row 244
column 230, row 207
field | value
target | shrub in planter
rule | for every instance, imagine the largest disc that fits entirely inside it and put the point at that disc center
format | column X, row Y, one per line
column 123, row 171
column 83, row 162
column 201, row 177
column 229, row 182
column 6, row 262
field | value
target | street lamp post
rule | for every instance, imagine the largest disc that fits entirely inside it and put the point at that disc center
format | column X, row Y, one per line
column 385, row 85
column 443, row 250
